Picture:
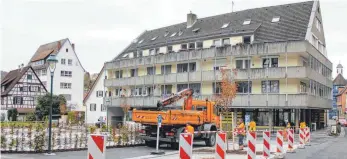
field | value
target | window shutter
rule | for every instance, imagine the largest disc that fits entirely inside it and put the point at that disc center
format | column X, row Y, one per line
column 90, row 107
column 14, row 100
column 21, row 100
column 102, row 93
column 97, row 93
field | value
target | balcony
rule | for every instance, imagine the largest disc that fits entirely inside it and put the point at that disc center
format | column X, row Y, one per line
column 237, row 50
column 271, row 101
column 275, row 72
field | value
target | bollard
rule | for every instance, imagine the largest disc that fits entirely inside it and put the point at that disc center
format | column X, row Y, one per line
column 221, row 145
column 302, row 138
column 308, row 137
column 279, row 143
column 96, row 146
column 290, row 141
column 186, row 146
column 266, row 144
column 252, row 142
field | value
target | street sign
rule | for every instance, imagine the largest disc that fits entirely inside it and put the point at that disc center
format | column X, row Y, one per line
column 247, row 119
column 159, row 118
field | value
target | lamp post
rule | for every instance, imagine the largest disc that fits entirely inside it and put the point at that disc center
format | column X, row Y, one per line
column 52, row 63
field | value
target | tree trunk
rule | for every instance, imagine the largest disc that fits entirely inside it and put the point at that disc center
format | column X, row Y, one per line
column 227, row 129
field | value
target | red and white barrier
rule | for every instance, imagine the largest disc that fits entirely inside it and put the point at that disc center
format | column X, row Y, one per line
column 290, row 140
column 279, row 142
column 308, row 137
column 302, row 136
column 252, row 142
column 266, row 144
column 221, row 145
column 186, row 146
column 96, row 146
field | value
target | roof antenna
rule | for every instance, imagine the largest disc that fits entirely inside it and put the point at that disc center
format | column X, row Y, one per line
column 232, row 6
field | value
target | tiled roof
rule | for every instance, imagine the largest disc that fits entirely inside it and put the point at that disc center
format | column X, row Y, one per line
column 13, row 77
column 93, row 85
column 293, row 23
column 46, row 49
column 340, row 80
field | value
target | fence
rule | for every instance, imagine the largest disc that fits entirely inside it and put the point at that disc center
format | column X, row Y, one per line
column 33, row 137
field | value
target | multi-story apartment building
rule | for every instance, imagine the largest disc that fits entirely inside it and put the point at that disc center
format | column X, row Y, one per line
column 283, row 73
column 68, row 75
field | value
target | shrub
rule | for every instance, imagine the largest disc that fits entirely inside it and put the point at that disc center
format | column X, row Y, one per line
column 39, row 139
column 30, row 117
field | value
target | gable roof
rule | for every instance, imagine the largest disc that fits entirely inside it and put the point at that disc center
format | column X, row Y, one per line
column 46, row 49
column 342, row 91
column 293, row 24
column 11, row 79
column 93, row 85
column 340, row 80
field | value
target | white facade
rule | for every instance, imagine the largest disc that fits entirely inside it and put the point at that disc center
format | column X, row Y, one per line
column 94, row 102
column 69, row 86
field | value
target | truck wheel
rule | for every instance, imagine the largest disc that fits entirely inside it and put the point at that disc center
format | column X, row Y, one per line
column 150, row 143
column 211, row 141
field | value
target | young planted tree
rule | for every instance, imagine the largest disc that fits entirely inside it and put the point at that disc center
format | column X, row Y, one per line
column 124, row 104
column 228, row 93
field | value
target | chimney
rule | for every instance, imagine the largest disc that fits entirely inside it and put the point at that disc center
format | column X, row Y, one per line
column 191, row 19
column 59, row 45
column 73, row 46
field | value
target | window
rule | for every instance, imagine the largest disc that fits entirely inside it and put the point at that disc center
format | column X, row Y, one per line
column 216, row 86
column 217, row 42
column 99, row 93
column 125, row 55
column 17, row 100
column 150, row 70
column 154, row 38
column 25, row 89
column 119, row 74
column 318, row 24
column 67, row 96
column 139, row 53
column 173, row 34
column 195, row 86
column 136, row 91
column 166, row 34
column 243, row 64
column 66, row 73
column 38, row 72
column 270, row 62
column 67, row 50
column 169, row 49
column 2, row 101
column 184, row 67
column 270, row 86
column 226, row 41
column 225, row 25
column 92, row 107
column 303, row 87
column 315, row 41
column 165, row 69
column 199, row 45
column 166, row 89
column 154, row 51
column 118, row 91
column 44, row 72
column 29, row 77
column 133, row 72
column 247, row 39
column 275, row 19
column 183, row 46
column 103, row 108
column 34, row 89
column 242, row 87
column 180, row 33
column 69, row 62
column 62, row 61
column 191, row 46
column 65, row 85
column 140, row 41
column 247, row 22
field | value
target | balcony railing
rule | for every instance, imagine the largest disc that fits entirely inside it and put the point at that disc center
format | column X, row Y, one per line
column 236, row 50
column 212, row 75
column 280, row 101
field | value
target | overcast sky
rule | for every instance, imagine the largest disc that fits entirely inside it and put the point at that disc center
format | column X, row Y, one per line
column 102, row 29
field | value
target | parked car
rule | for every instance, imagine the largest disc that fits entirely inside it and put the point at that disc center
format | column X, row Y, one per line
column 334, row 117
column 343, row 122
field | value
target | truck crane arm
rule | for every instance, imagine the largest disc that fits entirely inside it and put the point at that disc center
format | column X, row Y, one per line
column 188, row 92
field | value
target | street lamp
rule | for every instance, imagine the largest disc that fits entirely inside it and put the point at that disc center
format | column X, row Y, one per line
column 51, row 60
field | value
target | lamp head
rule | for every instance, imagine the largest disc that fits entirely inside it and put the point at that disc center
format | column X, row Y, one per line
column 52, row 61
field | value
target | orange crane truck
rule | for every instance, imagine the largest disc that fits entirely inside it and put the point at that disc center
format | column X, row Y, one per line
column 201, row 114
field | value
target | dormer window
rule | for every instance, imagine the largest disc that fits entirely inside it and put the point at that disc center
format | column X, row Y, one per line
column 275, row 19
column 196, row 30
column 225, row 25
column 247, row 22
column 180, row 33
column 166, row 34
column 125, row 55
column 140, row 41
column 183, row 46
column 154, row 38
column 173, row 34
